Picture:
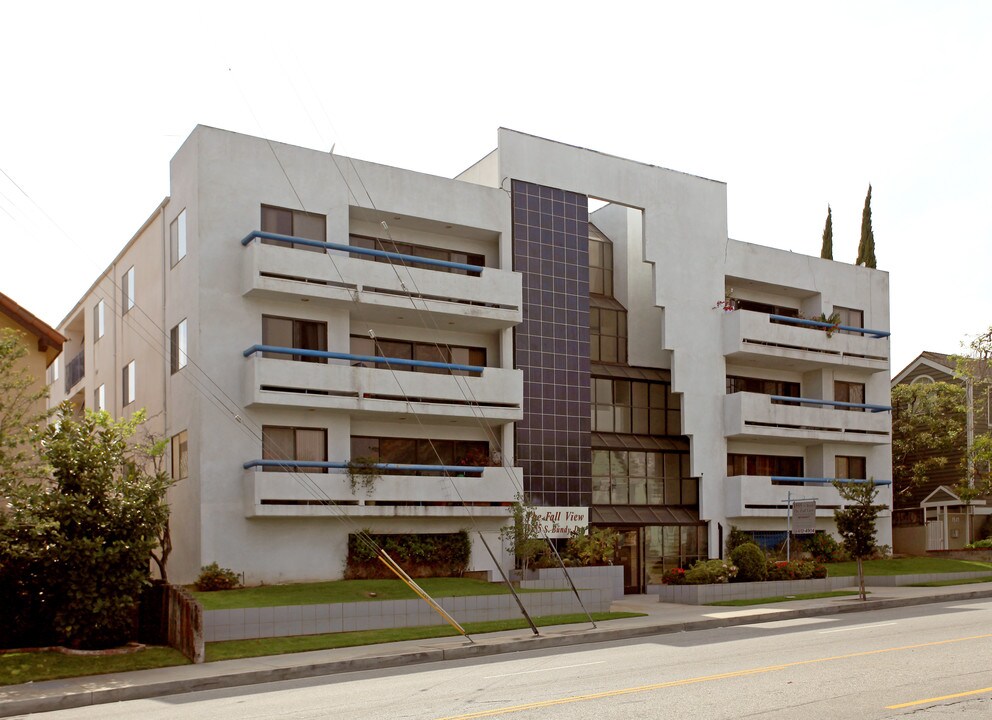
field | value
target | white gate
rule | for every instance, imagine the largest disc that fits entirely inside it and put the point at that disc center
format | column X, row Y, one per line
column 935, row 535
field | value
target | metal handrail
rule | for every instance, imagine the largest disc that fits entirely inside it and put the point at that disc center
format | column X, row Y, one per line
column 360, row 358
column 833, row 403
column 825, row 325
column 829, row 481
column 360, row 251
column 337, row 465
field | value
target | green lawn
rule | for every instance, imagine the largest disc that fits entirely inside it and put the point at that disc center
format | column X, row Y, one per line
column 783, row 598
column 341, row 591
column 232, row 649
column 34, row 667
column 907, row 566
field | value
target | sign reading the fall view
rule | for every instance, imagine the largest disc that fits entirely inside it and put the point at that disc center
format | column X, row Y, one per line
column 561, row 522
column 804, row 517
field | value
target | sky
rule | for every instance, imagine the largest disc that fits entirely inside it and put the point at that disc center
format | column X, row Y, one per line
column 794, row 105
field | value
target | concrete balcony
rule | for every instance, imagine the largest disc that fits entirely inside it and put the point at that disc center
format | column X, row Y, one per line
column 802, row 421
column 443, row 494
column 496, row 395
column 485, row 299
column 757, row 496
column 752, row 338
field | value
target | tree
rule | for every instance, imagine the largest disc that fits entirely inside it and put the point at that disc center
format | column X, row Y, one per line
column 75, row 551
column 525, row 536
column 827, row 249
column 974, row 367
column 927, row 426
column 856, row 523
column 21, row 416
column 866, row 248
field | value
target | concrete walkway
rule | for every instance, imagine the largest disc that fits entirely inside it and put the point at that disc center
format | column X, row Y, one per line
column 659, row 618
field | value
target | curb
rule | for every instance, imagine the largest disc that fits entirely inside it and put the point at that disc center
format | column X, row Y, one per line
column 84, row 698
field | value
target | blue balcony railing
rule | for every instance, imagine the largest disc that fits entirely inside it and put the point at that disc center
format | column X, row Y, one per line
column 412, row 259
column 832, row 403
column 782, row 480
column 350, row 357
column 386, row 468
column 820, row 325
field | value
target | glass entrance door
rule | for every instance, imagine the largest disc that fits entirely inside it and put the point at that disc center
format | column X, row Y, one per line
column 631, row 559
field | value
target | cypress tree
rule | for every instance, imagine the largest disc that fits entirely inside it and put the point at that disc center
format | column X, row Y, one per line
column 866, row 248
column 827, row 249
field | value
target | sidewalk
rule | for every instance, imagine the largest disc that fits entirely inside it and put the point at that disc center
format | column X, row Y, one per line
column 660, row 618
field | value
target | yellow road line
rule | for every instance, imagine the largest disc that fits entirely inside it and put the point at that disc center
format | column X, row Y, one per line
column 705, row 678
column 937, row 699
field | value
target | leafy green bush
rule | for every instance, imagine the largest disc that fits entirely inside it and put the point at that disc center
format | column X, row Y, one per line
column 420, row 555
column 790, row 570
column 752, row 566
column 214, row 577
column 979, row 544
column 824, row 548
column 673, row 576
column 736, row 538
column 598, row 546
column 708, row 572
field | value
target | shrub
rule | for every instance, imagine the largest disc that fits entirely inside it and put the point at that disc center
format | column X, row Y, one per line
column 819, row 571
column 598, row 546
column 736, row 538
column 214, row 577
column 673, row 576
column 790, row 570
column 979, row 544
column 708, row 572
column 420, row 555
column 824, row 548
column 752, row 566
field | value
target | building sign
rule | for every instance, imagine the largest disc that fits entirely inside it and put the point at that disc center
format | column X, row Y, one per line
column 804, row 517
column 561, row 522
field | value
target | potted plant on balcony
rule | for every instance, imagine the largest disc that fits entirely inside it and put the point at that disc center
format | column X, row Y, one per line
column 363, row 471
column 833, row 319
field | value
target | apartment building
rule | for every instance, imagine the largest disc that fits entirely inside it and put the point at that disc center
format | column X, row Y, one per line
column 553, row 322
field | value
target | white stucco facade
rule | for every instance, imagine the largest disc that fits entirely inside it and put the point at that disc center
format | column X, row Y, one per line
column 672, row 263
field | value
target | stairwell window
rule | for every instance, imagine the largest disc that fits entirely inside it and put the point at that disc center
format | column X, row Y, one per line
column 100, row 398
column 296, row 223
column 177, row 238
column 296, row 444
column 128, row 384
column 127, row 290
column 98, row 320
column 178, row 345
column 180, row 455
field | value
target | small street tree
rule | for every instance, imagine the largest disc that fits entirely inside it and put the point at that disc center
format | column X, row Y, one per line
column 75, row 550
column 927, row 426
column 827, row 248
column 524, row 537
column 21, row 413
column 856, row 523
column 866, row 247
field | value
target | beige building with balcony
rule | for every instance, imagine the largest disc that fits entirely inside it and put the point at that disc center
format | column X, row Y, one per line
column 544, row 324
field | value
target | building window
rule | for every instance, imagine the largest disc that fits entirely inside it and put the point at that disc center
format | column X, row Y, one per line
column 98, row 325
column 764, row 465
column 127, row 290
column 420, row 451
column 128, row 383
column 607, row 335
column 622, row 477
column 180, row 456
column 295, row 223
column 53, row 370
column 178, row 346
column 600, row 263
column 850, row 467
column 851, row 318
column 177, row 238
column 849, row 392
column 768, row 308
column 409, row 350
column 294, row 443
column 785, row 388
column 100, row 399
column 635, row 407
column 423, row 251
column 296, row 334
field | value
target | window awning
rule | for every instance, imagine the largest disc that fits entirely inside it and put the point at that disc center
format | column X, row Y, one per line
column 643, row 515
column 611, row 441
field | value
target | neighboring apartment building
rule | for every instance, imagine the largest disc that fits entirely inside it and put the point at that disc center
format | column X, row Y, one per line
column 534, row 347
column 931, row 516
column 43, row 342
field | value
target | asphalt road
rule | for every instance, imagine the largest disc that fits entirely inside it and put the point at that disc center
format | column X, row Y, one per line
column 930, row 661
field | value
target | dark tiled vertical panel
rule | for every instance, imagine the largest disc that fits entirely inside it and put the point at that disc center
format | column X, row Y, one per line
column 551, row 345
